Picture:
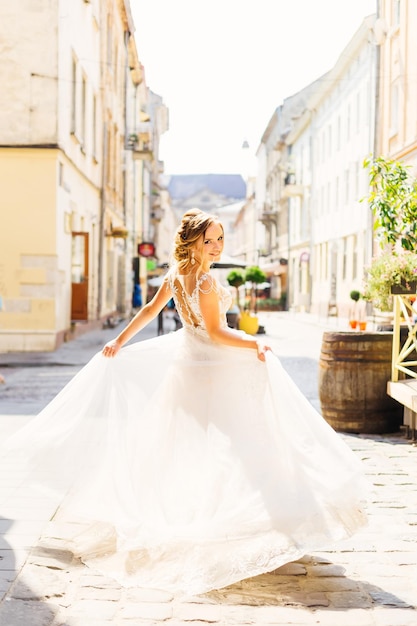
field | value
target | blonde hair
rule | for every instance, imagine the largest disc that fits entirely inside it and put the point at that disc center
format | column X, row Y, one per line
column 193, row 225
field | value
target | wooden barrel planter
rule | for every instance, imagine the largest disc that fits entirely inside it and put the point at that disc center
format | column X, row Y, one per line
column 353, row 374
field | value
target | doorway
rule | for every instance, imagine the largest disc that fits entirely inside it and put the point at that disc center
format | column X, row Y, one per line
column 79, row 276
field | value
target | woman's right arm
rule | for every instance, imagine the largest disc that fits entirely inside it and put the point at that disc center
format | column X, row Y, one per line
column 209, row 306
column 146, row 314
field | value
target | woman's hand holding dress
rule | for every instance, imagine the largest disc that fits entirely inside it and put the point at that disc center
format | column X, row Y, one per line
column 111, row 348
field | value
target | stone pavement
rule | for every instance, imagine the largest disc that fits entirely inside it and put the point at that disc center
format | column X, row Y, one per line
column 368, row 580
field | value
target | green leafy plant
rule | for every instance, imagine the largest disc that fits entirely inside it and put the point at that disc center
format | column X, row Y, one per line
column 355, row 295
column 385, row 271
column 236, row 278
column 393, row 201
column 271, row 304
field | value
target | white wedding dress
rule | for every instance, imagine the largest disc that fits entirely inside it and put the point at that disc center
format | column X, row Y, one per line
column 196, row 465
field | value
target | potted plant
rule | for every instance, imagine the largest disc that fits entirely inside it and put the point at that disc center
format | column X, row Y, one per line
column 393, row 201
column 248, row 319
column 256, row 276
column 389, row 274
column 235, row 278
column 353, row 315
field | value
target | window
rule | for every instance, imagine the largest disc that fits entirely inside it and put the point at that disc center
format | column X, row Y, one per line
column 83, row 108
column 348, row 114
column 344, row 258
column 394, row 110
column 355, row 257
column 109, row 155
column 116, row 73
column 73, row 126
column 396, row 12
column 116, row 158
column 338, row 133
column 323, row 262
column 109, row 43
column 358, row 112
column 94, row 128
column 356, row 181
column 336, row 193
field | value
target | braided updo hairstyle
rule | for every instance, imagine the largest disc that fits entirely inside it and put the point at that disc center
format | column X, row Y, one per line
column 194, row 223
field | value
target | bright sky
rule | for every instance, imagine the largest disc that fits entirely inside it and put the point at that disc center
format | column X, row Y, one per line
column 223, row 66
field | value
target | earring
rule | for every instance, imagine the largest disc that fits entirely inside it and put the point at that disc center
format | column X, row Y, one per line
column 192, row 259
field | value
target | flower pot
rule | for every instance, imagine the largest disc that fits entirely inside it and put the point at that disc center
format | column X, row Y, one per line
column 362, row 325
column 353, row 324
column 405, row 288
column 232, row 317
column 248, row 323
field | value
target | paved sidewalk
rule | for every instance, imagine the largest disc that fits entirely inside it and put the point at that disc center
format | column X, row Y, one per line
column 79, row 350
column 369, row 580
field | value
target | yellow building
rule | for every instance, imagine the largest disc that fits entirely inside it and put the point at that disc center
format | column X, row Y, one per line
column 66, row 178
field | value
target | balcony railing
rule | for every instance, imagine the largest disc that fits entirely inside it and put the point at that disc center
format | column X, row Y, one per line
column 292, row 191
column 267, row 214
column 144, row 130
column 143, row 151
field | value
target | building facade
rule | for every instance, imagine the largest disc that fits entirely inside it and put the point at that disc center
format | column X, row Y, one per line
column 318, row 233
column 397, row 104
column 75, row 195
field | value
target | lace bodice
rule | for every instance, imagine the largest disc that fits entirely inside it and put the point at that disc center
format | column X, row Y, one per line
column 188, row 304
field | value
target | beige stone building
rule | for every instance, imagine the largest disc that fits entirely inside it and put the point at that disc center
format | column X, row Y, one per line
column 317, row 233
column 311, row 179
column 75, row 185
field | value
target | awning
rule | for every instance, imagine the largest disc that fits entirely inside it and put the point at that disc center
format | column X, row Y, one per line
column 276, row 268
column 226, row 262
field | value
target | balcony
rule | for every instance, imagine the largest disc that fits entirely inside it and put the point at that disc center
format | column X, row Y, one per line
column 142, row 152
column 144, row 131
column 157, row 213
column 290, row 188
column 267, row 215
column 292, row 191
column 140, row 141
column 117, row 232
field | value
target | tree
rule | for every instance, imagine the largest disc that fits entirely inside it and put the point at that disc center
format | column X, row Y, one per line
column 254, row 275
column 236, row 278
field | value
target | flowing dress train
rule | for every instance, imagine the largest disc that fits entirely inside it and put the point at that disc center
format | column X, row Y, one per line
column 195, row 464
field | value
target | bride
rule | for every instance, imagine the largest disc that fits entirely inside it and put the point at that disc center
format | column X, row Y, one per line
column 198, row 462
